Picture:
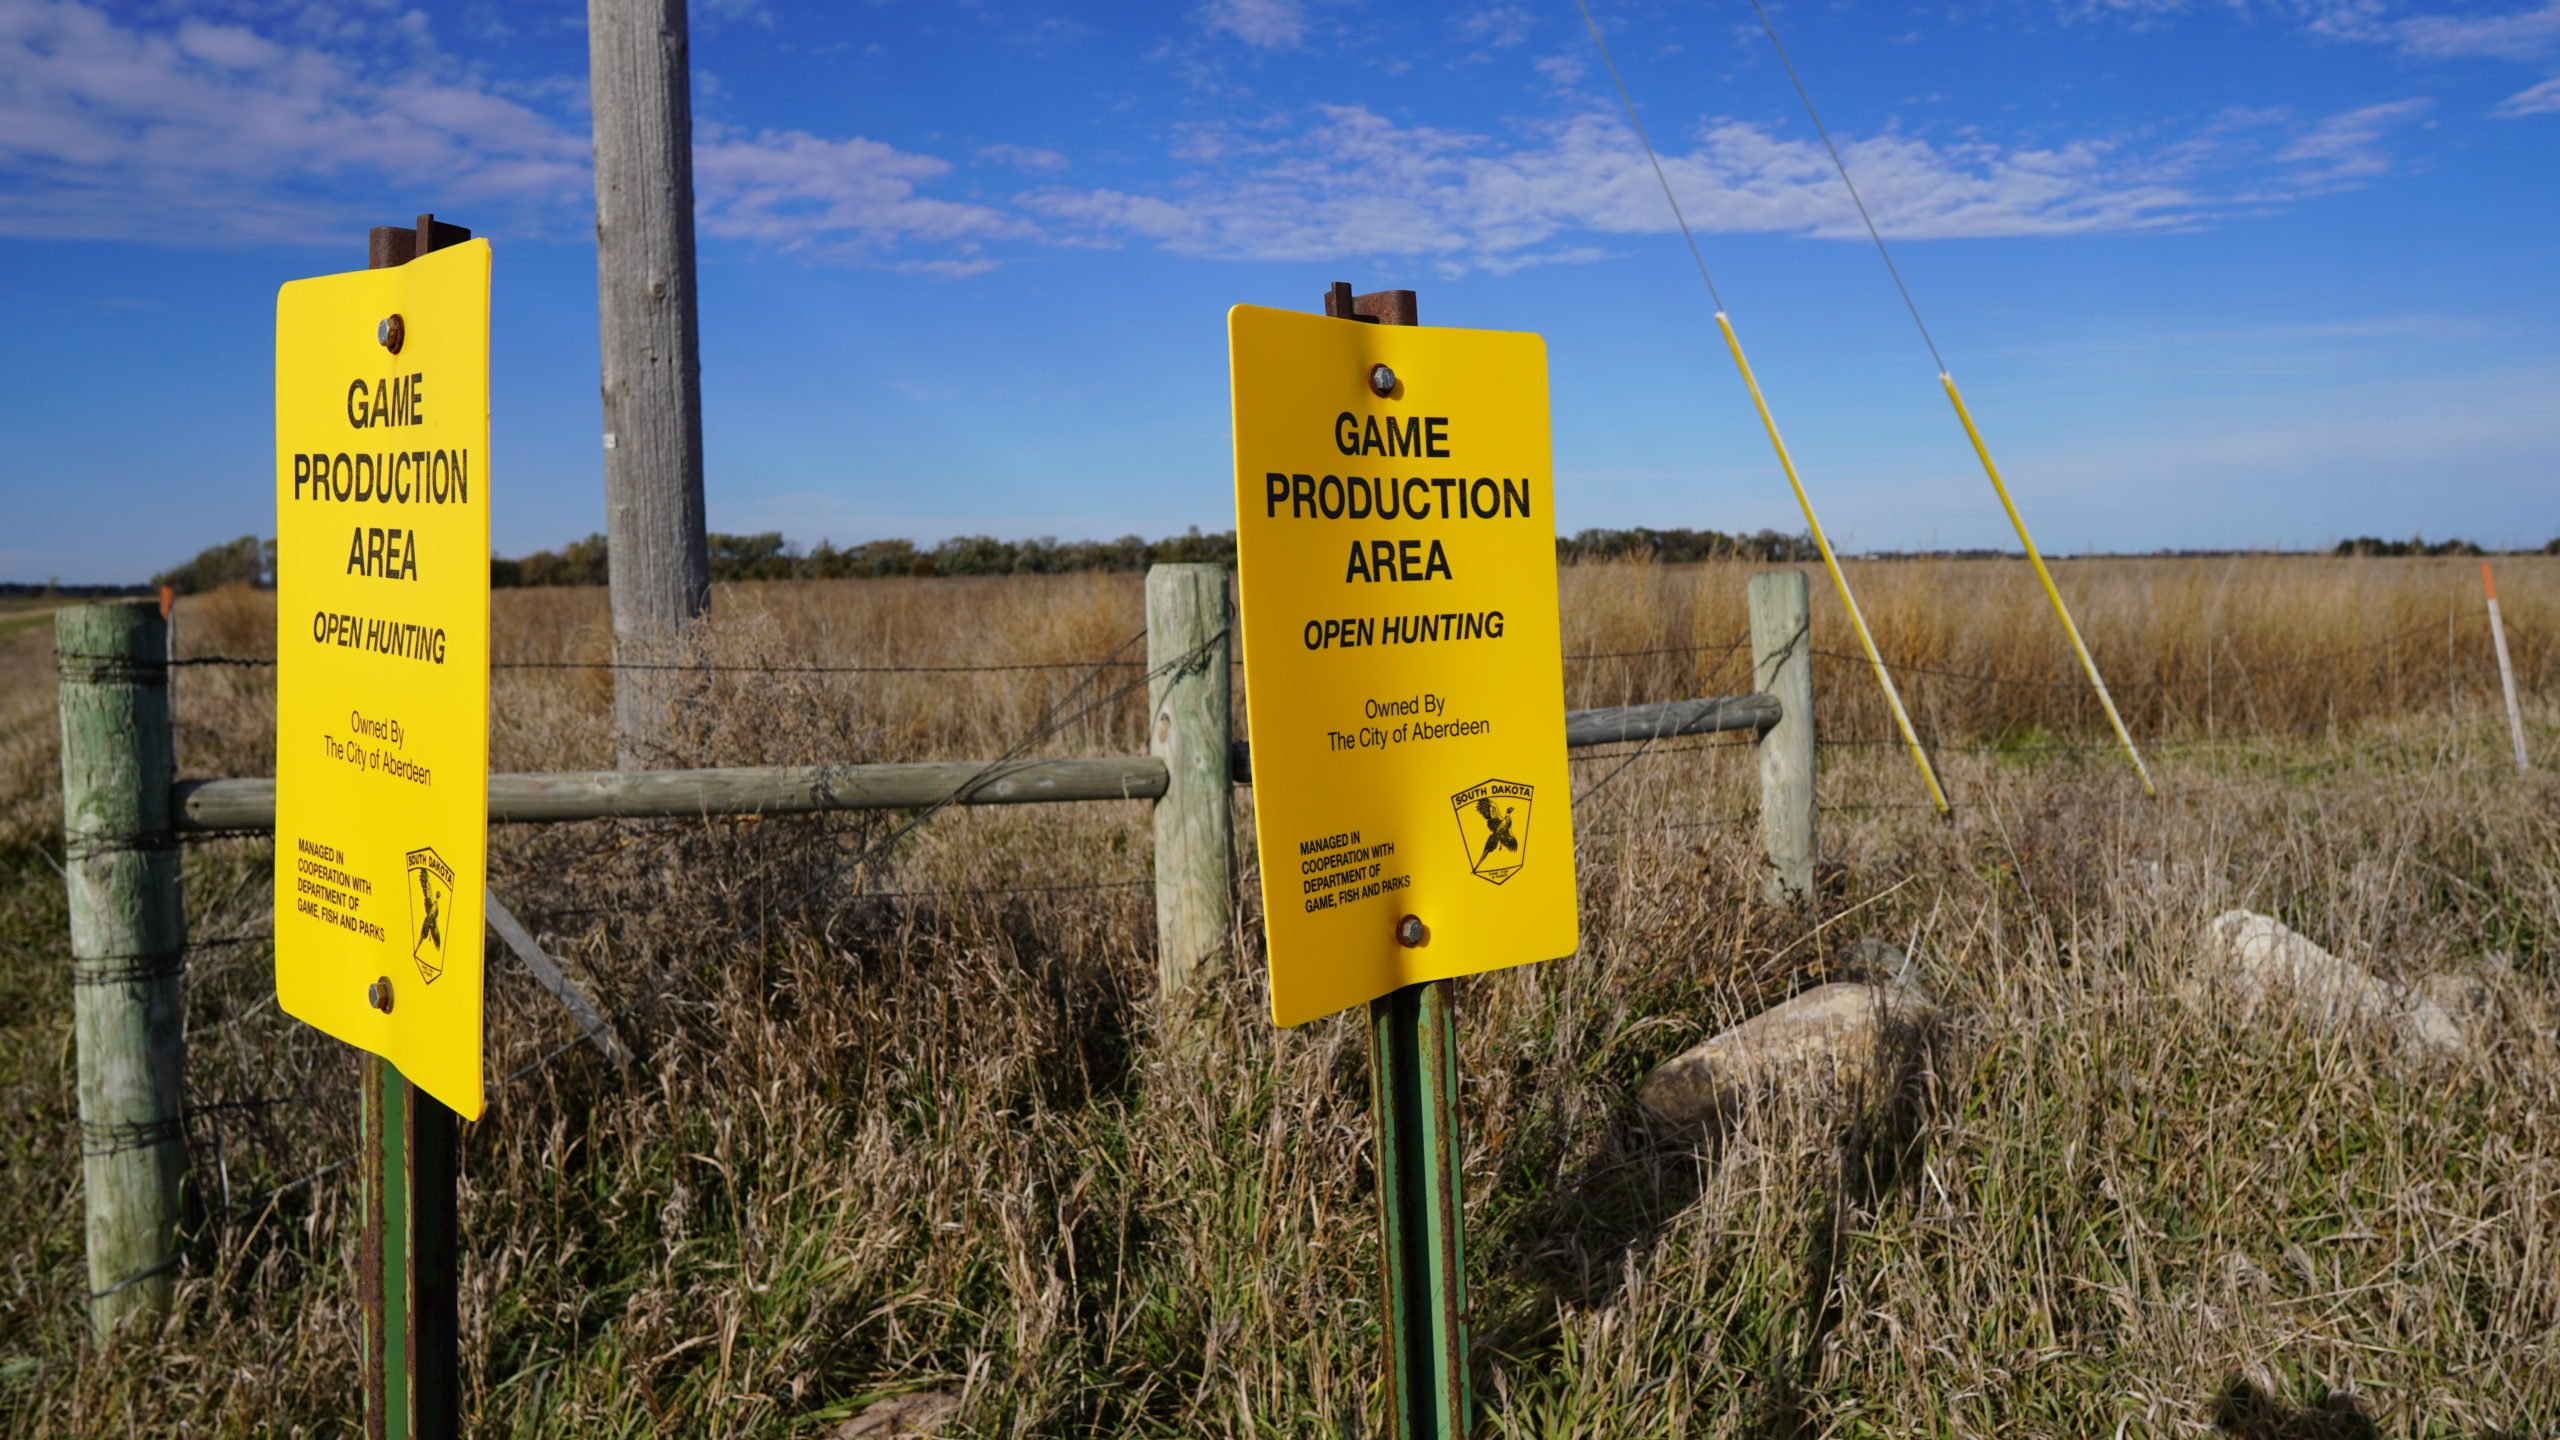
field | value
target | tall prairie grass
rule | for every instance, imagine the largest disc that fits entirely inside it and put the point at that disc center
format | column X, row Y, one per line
column 924, row 1122
column 2191, row 650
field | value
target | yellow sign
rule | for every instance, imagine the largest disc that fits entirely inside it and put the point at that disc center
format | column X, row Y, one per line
column 382, row 661
column 1404, row 674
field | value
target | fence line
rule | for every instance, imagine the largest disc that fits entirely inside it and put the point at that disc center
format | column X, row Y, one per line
column 747, row 931
column 1197, row 780
column 258, row 662
column 1653, row 731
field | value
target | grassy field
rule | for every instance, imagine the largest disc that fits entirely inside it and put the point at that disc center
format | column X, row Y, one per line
column 927, row 1126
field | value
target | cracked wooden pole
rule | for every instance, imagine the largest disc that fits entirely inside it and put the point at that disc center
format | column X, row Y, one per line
column 1187, row 702
column 657, row 565
column 1782, row 665
column 128, row 938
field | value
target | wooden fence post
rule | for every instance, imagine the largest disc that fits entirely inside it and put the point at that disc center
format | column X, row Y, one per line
column 128, row 938
column 1190, row 732
column 1782, row 665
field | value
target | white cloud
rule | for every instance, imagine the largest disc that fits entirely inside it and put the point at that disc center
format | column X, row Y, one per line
column 1023, row 157
column 109, row 129
column 280, row 131
column 1497, row 27
column 2348, row 146
column 2524, row 34
column 2542, row 99
column 229, row 46
column 1563, row 69
column 1353, row 183
column 859, row 198
column 1265, row 24
column 2517, row 35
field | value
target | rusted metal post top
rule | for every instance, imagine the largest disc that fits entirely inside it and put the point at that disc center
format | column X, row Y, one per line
column 390, row 245
column 1378, row 307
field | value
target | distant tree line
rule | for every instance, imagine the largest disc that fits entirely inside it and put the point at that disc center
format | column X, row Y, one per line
column 2417, row 545
column 245, row 561
column 1679, row 547
column 767, row 556
column 56, row 590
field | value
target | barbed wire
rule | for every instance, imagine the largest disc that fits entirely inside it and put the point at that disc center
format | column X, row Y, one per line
column 1721, row 822
column 1721, row 651
column 1648, row 747
column 2246, row 674
column 857, row 667
column 1058, row 718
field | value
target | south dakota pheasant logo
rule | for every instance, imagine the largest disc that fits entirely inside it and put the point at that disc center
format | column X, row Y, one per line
column 1493, row 824
column 430, row 895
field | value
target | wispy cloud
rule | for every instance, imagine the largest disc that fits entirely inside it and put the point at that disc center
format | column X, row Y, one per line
column 113, row 129
column 793, row 190
column 1348, row 182
column 2542, row 99
column 2350, row 146
column 2516, row 35
column 297, row 128
column 1496, row 27
column 1266, row 24
column 1023, row 157
column 2525, row 34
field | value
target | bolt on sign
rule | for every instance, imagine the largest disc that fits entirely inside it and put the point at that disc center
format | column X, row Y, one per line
column 382, row 661
column 1404, row 669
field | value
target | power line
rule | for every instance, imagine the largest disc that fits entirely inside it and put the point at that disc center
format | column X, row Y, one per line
column 1629, row 101
column 1777, row 442
column 1854, row 198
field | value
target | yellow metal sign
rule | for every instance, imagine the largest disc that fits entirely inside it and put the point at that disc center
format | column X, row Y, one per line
column 382, row 661
column 1404, row 673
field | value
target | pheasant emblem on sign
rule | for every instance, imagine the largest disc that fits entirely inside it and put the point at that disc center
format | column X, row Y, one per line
column 428, row 927
column 1493, row 824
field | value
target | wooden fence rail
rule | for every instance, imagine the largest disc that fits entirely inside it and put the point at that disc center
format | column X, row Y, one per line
column 124, row 811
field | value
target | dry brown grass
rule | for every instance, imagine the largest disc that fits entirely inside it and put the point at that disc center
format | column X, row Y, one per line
column 939, row 1139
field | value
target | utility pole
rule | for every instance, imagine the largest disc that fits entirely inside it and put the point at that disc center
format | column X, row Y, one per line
column 639, row 80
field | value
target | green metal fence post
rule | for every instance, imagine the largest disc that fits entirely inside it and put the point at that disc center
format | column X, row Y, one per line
column 1413, row 1105
column 411, row 1155
column 1413, row 1102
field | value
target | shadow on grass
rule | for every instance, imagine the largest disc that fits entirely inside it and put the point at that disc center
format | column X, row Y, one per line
column 1878, row 1152
column 1576, row 1244
column 2244, row 1410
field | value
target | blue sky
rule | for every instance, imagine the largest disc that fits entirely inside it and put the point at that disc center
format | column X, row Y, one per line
column 2212, row 273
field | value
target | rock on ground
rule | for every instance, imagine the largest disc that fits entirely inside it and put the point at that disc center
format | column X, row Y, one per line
column 2257, row 962
column 1831, row 1036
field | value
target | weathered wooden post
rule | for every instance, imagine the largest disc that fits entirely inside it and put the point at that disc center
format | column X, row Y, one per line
column 640, row 79
column 1187, row 689
column 1782, row 665
column 128, row 933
